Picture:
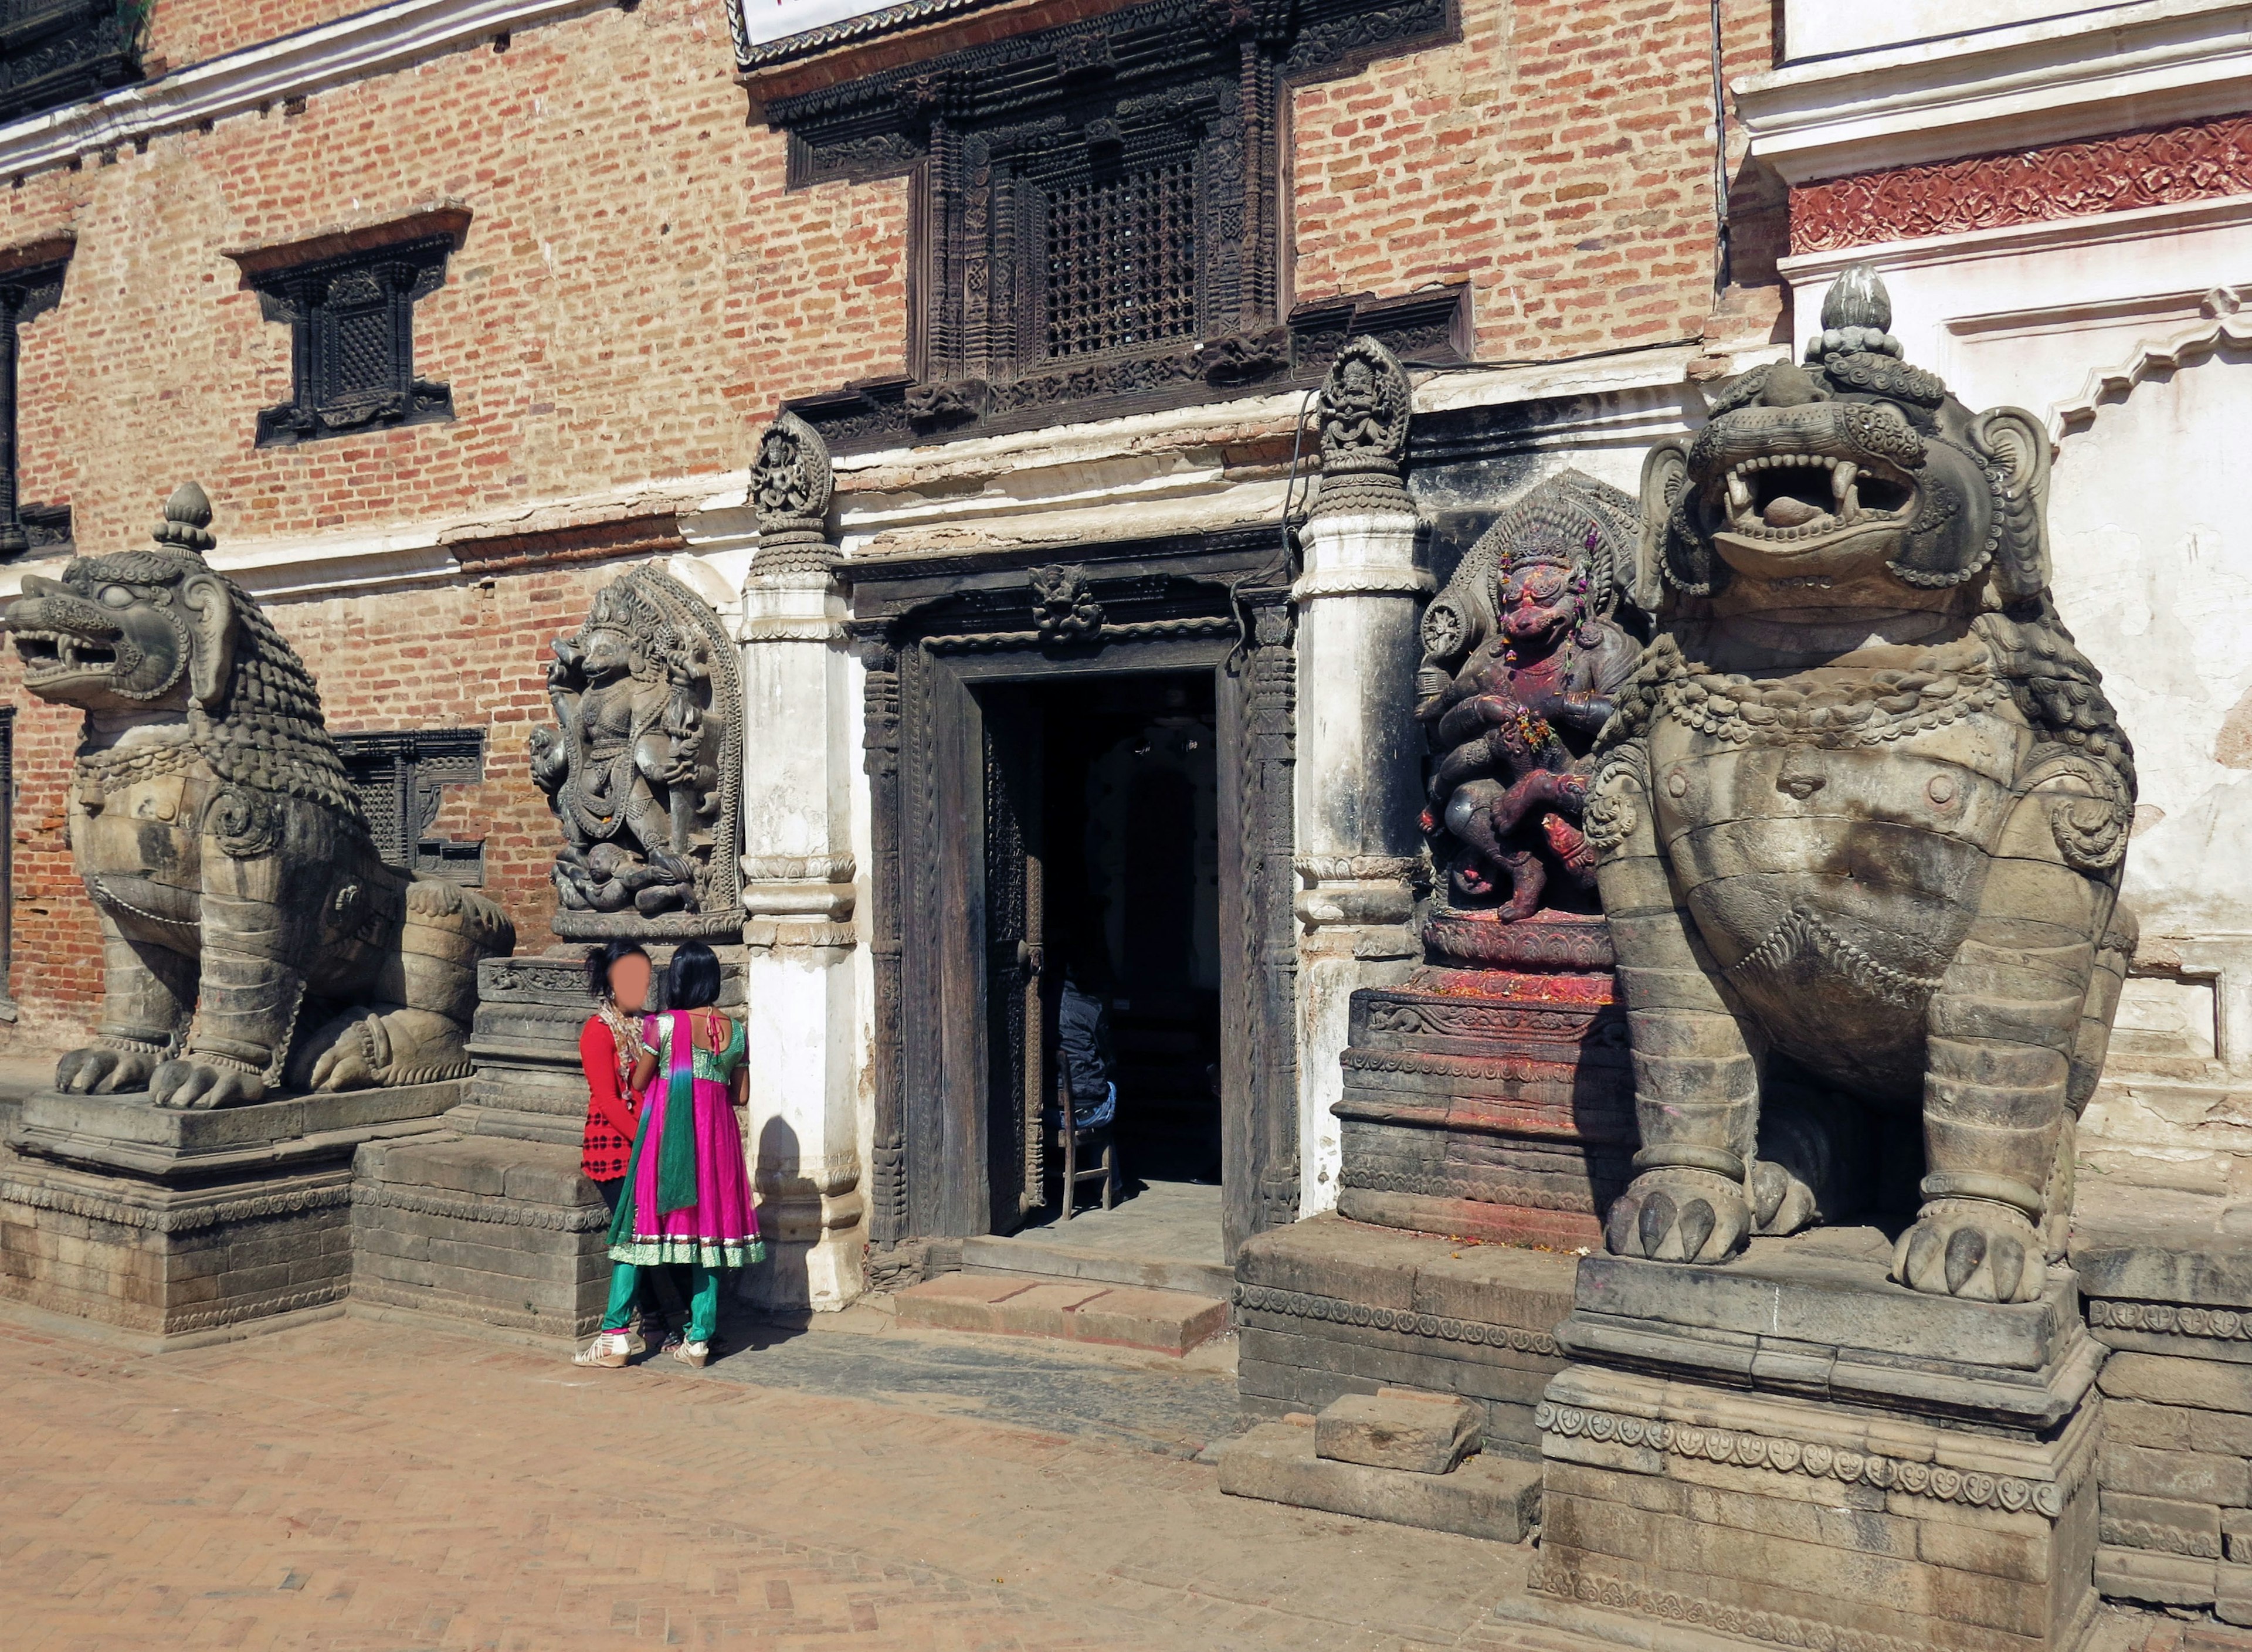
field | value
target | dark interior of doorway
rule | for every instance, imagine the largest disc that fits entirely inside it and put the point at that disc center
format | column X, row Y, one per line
column 1131, row 826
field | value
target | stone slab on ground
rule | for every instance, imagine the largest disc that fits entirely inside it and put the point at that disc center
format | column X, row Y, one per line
column 1167, row 1238
column 130, row 1134
column 1329, row 1307
column 1087, row 1311
column 1814, row 1314
column 486, row 1230
column 1498, row 1498
column 1398, row 1429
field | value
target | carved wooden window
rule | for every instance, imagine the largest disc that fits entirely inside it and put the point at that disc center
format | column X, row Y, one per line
column 57, row 51
column 1097, row 216
column 31, row 285
column 352, row 341
column 399, row 777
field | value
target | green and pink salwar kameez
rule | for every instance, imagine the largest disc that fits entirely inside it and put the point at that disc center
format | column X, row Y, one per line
column 687, row 1193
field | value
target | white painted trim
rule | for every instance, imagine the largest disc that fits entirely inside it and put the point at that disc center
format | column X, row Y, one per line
column 2142, row 224
column 2080, row 76
column 2228, row 320
column 379, row 41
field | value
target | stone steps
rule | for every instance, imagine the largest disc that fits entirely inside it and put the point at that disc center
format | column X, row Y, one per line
column 1496, row 1498
column 1052, row 1255
column 1077, row 1310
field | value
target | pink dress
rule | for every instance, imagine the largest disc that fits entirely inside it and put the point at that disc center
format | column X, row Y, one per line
column 687, row 1197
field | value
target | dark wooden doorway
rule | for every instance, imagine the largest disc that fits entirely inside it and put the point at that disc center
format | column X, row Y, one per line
column 970, row 712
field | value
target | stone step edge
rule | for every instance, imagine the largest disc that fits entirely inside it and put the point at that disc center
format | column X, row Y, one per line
column 1057, row 1261
column 944, row 1303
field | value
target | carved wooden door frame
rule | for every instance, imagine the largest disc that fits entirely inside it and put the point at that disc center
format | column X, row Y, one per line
column 934, row 631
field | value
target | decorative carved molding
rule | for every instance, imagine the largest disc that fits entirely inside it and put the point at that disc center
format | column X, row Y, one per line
column 791, row 487
column 2164, row 1319
column 2229, row 313
column 1064, row 609
column 1782, row 1456
column 2198, row 160
column 1330, row 1310
column 798, row 869
column 1362, row 418
column 179, row 1219
column 258, row 1308
column 469, row 1207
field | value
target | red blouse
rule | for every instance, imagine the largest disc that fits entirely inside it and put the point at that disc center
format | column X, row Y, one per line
column 612, row 1118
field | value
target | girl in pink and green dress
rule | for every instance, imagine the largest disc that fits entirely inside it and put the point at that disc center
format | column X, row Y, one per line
column 687, row 1193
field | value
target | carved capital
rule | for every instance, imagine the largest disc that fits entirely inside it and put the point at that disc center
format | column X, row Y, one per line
column 791, row 487
column 1363, row 422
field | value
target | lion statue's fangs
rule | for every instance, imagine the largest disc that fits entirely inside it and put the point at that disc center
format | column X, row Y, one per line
column 1860, row 816
column 252, row 941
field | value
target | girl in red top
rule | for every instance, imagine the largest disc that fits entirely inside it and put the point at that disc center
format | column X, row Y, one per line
column 618, row 976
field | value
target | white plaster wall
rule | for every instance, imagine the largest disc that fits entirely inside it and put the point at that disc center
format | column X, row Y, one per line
column 1823, row 28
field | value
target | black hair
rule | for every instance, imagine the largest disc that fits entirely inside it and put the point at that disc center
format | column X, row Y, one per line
column 691, row 980
column 602, row 959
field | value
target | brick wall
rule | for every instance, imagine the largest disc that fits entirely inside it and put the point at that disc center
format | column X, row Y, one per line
column 634, row 289
column 1560, row 157
column 185, row 31
column 460, row 658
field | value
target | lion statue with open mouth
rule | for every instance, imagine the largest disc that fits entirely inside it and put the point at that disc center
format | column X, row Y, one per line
column 1860, row 816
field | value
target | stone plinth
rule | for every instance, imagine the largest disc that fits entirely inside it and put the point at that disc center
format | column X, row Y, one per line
column 1329, row 1307
column 2169, row 1286
column 490, row 1222
column 1491, row 1102
column 1791, row 1450
column 191, row 1225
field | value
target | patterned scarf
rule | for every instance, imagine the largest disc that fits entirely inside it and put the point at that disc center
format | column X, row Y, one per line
column 676, row 1160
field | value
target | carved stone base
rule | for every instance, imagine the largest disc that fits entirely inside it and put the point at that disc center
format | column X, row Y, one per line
column 482, row 1231
column 1495, row 1103
column 1672, row 1511
column 1789, row 1450
column 1327, row 1307
column 184, row 1225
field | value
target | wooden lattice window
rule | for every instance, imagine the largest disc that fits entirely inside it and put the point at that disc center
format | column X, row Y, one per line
column 1121, row 257
column 349, row 300
column 399, row 776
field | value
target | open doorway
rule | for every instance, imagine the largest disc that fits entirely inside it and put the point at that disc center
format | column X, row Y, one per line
column 1103, row 860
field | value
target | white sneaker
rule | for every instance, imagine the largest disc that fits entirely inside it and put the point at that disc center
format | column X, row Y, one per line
column 608, row 1349
column 692, row 1353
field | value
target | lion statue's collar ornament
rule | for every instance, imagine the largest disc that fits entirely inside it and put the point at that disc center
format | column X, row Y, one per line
column 1860, row 816
column 251, row 938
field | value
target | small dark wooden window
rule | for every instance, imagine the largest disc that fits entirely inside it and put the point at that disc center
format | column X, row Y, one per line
column 400, row 775
column 57, row 51
column 1120, row 255
column 31, row 285
column 352, row 345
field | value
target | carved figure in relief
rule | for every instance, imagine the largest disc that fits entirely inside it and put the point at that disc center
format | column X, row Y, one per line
column 632, row 767
column 1861, row 815
column 1522, row 655
column 252, row 937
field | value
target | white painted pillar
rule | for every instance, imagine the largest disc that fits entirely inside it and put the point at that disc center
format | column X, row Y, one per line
column 1358, row 775
column 798, row 885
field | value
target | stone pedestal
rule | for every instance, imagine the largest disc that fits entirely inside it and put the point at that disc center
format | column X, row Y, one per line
column 1493, row 1102
column 191, row 1225
column 1789, row 1450
column 489, row 1222
column 2169, row 1286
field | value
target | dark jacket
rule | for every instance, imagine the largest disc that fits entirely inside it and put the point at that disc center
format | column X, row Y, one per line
column 1083, row 1040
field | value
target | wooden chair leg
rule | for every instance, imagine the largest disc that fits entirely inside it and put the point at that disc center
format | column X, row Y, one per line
column 1070, row 1166
column 1109, row 1171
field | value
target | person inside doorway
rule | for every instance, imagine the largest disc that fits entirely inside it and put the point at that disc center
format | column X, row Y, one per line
column 1084, row 1048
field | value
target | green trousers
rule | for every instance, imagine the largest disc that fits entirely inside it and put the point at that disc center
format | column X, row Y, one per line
column 703, row 1301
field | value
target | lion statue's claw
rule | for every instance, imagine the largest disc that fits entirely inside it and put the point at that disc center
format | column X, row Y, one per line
column 1677, row 1215
column 99, row 1070
column 1971, row 1248
column 191, row 1085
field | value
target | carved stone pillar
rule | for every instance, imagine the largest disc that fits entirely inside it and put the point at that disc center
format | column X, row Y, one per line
column 798, row 885
column 1358, row 747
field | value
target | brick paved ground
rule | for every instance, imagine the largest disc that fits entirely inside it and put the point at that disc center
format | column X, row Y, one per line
column 353, row 1485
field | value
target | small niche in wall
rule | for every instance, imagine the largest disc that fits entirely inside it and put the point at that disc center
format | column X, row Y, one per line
column 2165, row 1018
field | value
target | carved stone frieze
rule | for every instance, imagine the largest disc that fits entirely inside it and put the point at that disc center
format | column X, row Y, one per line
column 2194, row 161
column 643, row 768
column 1332, row 1310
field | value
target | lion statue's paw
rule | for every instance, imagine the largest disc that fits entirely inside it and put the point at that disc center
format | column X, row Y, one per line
column 103, row 1070
column 1679, row 1215
column 191, row 1085
column 1972, row 1248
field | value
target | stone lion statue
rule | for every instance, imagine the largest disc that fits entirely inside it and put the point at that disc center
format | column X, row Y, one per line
column 252, row 939
column 1860, row 815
